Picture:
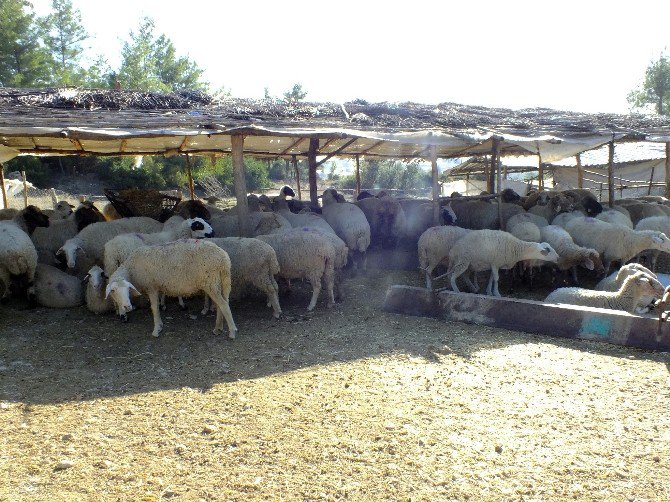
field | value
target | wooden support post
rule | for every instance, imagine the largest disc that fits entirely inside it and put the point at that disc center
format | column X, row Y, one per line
column 25, row 189
column 667, row 170
column 610, row 175
column 4, row 189
column 237, row 150
column 358, row 175
column 191, row 189
column 490, row 186
column 467, row 183
column 580, row 171
column 540, row 173
column 436, row 186
column 651, row 179
column 496, row 155
column 311, row 160
column 297, row 175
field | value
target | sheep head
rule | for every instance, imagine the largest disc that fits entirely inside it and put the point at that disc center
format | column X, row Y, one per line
column 199, row 228
column 70, row 250
column 119, row 290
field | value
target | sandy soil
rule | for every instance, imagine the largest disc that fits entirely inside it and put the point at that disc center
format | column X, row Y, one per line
column 349, row 403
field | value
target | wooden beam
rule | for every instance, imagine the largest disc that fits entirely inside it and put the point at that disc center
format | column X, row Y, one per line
column 25, row 189
column 237, row 142
column 432, row 152
column 667, row 169
column 363, row 152
column 122, row 147
column 297, row 175
column 4, row 189
column 358, row 175
column 335, row 152
column 496, row 155
column 184, row 143
column 610, row 175
column 580, row 171
column 292, row 146
column 540, row 173
column 311, row 160
column 191, row 190
column 651, row 179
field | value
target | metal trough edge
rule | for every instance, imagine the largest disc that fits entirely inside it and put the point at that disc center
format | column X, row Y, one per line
column 566, row 321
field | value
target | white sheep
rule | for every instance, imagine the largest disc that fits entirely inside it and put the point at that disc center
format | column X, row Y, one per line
column 434, row 246
column 658, row 223
column 540, row 221
column 626, row 298
column 614, row 281
column 62, row 210
column 253, row 263
column 260, row 223
column 570, row 255
column 349, row 223
column 56, row 289
column 181, row 268
column 118, row 249
column 96, row 299
column 615, row 218
column 560, row 220
column 526, row 231
column 305, row 254
column 492, row 250
column 18, row 256
column 298, row 220
column 92, row 239
column 615, row 242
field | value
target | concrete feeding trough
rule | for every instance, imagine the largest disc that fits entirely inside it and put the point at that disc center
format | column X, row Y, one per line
column 566, row 321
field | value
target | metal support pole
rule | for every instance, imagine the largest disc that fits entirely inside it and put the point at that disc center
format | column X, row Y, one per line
column 191, row 189
column 358, row 175
column 610, row 175
column 237, row 150
column 297, row 175
column 311, row 160
column 436, row 186
column 4, row 189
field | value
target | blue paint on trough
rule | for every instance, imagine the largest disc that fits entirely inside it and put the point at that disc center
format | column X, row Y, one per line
column 566, row 321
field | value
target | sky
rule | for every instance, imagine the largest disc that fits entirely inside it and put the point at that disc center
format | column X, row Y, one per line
column 570, row 55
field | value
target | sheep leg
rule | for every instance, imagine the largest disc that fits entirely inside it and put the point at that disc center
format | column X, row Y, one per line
column 223, row 311
column 316, row 289
column 474, row 287
column 205, row 306
column 154, row 298
column 494, row 277
column 429, row 282
column 489, row 286
column 182, row 305
column 329, row 280
column 456, row 271
column 162, row 302
column 654, row 258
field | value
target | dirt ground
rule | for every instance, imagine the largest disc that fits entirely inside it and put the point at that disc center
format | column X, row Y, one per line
column 348, row 403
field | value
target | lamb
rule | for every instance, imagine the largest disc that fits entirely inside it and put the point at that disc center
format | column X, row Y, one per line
column 181, row 268
column 92, row 239
column 118, row 249
column 615, row 218
column 614, row 281
column 96, row 300
column 540, row 221
column 304, row 253
column 492, row 250
column 615, row 242
column 626, row 298
column 253, row 263
column 56, row 289
column 49, row 239
column 349, row 223
column 658, row 223
column 18, row 256
column 570, row 254
column 434, row 246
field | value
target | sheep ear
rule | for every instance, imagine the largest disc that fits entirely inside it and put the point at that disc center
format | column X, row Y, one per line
column 544, row 250
column 130, row 286
column 197, row 225
column 589, row 265
column 110, row 287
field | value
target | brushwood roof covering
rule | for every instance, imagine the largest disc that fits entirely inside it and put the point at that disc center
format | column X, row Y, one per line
column 110, row 122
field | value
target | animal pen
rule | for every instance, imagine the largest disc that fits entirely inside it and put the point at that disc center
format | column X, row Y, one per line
column 115, row 123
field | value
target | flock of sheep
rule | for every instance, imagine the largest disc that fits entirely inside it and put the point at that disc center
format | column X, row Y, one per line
column 68, row 256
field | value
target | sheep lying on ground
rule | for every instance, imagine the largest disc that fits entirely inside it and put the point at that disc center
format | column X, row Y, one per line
column 118, row 249
column 658, row 223
column 92, row 239
column 56, row 289
column 181, row 268
column 253, row 263
column 614, row 281
column 492, row 250
column 615, row 242
column 626, row 298
column 434, row 246
column 349, row 223
column 570, row 255
column 18, row 256
column 305, row 254
column 96, row 300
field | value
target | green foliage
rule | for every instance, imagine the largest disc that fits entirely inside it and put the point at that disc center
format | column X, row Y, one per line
column 655, row 88
column 37, row 172
column 23, row 60
column 295, row 94
column 63, row 34
column 279, row 170
column 389, row 174
column 222, row 168
column 150, row 63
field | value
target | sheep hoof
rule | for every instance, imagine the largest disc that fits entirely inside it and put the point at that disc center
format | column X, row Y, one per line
column 217, row 331
column 232, row 335
column 184, row 308
column 157, row 332
column 330, row 305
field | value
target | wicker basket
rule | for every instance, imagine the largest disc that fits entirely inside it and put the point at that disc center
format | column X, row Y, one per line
column 136, row 202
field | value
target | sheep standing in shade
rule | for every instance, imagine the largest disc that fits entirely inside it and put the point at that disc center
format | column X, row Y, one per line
column 18, row 256
column 181, row 268
column 493, row 250
column 434, row 246
column 627, row 298
column 570, row 254
column 349, row 223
